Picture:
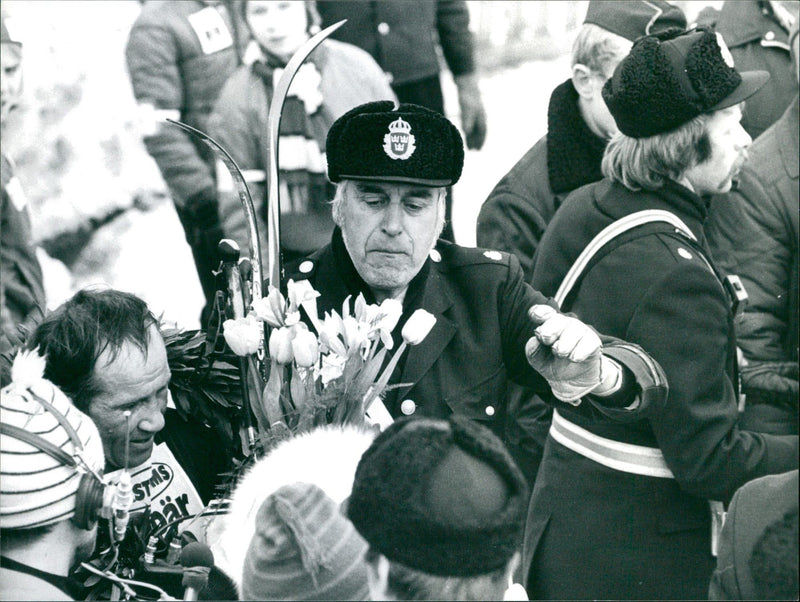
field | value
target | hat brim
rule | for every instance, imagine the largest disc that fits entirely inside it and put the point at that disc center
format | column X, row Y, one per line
column 399, row 180
column 752, row 81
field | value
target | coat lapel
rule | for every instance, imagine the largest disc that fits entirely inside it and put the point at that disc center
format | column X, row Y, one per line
column 437, row 299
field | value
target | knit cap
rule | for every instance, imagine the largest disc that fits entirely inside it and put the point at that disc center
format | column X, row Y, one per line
column 304, row 548
column 670, row 78
column 442, row 497
column 632, row 19
column 405, row 143
column 35, row 488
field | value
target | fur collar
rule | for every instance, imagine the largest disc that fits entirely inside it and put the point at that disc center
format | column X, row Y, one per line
column 574, row 152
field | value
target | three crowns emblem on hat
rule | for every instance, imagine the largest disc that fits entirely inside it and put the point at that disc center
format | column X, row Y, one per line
column 399, row 143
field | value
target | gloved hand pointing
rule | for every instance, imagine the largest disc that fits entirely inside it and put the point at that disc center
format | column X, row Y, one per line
column 566, row 352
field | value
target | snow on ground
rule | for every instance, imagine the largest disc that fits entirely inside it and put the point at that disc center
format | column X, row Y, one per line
column 145, row 252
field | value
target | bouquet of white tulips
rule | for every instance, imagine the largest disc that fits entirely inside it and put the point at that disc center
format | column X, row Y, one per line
column 332, row 371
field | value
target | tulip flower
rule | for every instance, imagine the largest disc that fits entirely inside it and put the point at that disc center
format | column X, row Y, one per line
column 242, row 335
column 272, row 308
column 280, row 345
column 384, row 318
column 418, row 327
column 305, row 348
column 332, row 368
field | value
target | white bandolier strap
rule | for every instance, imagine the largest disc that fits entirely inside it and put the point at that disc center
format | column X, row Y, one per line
column 608, row 234
column 624, row 457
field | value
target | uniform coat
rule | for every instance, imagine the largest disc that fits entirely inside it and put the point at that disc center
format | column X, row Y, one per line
column 480, row 302
column 753, row 233
column 642, row 536
column 757, row 40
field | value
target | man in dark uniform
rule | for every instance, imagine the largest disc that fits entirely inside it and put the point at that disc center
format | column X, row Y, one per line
column 392, row 165
column 406, row 42
column 632, row 501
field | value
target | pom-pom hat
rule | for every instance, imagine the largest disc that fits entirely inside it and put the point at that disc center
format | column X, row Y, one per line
column 634, row 18
column 304, row 548
column 384, row 142
column 35, row 488
column 670, row 78
column 442, row 497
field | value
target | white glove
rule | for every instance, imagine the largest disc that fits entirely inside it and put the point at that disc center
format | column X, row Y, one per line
column 566, row 352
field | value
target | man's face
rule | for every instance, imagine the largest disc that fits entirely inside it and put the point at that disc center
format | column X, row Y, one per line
column 136, row 382
column 729, row 144
column 10, row 78
column 388, row 230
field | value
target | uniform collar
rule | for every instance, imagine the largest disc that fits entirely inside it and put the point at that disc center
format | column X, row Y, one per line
column 618, row 201
column 574, row 152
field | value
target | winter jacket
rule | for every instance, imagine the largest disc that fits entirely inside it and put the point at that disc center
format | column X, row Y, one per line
column 758, row 41
column 753, row 233
column 643, row 533
column 179, row 55
column 516, row 213
column 22, row 298
column 402, row 37
column 349, row 77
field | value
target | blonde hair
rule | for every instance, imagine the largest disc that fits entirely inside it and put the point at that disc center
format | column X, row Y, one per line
column 599, row 49
column 649, row 162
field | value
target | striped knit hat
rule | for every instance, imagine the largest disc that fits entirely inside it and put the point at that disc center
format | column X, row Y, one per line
column 35, row 488
column 304, row 548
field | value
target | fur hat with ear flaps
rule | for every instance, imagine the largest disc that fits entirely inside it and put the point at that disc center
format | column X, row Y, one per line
column 670, row 78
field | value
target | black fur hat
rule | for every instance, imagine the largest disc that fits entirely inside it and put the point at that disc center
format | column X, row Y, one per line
column 670, row 78
column 407, row 144
column 441, row 497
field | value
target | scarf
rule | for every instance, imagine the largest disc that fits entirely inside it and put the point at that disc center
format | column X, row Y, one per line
column 304, row 189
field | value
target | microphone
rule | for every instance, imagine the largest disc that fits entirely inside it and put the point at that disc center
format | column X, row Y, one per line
column 196, row 560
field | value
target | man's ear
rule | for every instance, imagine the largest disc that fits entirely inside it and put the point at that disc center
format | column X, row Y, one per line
column 378, row 578
column 582, row 80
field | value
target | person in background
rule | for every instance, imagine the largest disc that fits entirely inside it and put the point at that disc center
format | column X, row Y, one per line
column 335, row 78
column 52, row 457
column 758, row 543
column 757, row 33
column 104, row 350
column 640, row 503
column 516, row 213
column 179, row 54
column 22, row 295
column 441, row 505
column 407, row 44
column 753, row 233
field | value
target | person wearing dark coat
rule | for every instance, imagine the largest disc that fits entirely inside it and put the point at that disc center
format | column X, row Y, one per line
column 22, row 294
column 515, row 214
column 753, row 232
column 636, row 502
column 179, row 54
column 757, row 32
column 407, row 44
column 391, row 167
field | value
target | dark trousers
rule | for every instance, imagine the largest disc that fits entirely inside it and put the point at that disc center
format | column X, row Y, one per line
column 206, row 260
column 428, row 93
